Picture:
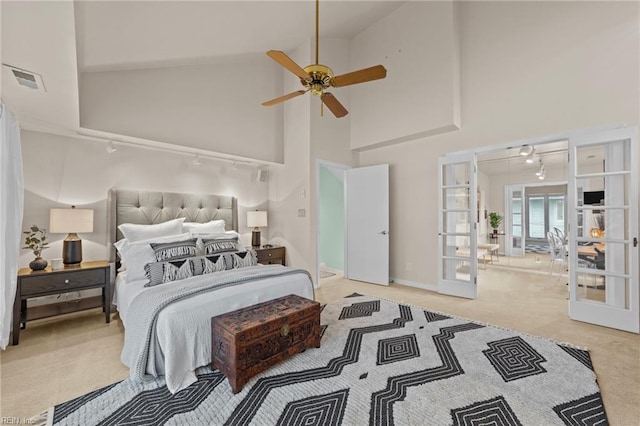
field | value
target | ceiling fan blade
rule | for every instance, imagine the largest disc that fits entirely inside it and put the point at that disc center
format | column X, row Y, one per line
column 334, row 105
column 361, row 76
column 287, row 62
column 284, row 98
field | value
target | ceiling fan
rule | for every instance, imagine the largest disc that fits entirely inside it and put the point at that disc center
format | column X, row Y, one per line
column 318, row 78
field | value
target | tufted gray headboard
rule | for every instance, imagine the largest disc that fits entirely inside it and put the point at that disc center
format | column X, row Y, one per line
column 146, row 208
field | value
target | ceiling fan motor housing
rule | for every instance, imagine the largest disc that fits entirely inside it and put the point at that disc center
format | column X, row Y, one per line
column 320, row 77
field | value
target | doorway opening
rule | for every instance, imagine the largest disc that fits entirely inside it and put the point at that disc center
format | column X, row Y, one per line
column 331, row 214
column 527, row 189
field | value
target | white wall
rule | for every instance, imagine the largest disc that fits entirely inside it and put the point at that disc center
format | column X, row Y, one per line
column 61, row 171
column 516, row 172
column 308, row 137
column 527, row 70
column 329, row 135
column 216, row 107
column 289, row 186
column 418, row 45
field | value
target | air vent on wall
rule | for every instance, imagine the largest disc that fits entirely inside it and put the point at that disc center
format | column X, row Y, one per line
column 26, row 78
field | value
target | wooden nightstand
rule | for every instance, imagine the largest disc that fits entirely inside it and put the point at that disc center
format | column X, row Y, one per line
column 47, row 282
column 271, row 255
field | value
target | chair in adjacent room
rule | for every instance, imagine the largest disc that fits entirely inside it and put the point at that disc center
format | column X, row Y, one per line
column 557, row 255
column 598, row 263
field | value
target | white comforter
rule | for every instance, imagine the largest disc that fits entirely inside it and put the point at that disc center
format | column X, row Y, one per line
column 183, row 331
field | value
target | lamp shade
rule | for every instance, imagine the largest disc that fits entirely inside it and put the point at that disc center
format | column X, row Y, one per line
column 66, row 221
column 257, row 218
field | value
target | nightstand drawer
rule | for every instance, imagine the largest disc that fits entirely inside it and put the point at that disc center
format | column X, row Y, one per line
column 271, row 256
column 62, row 282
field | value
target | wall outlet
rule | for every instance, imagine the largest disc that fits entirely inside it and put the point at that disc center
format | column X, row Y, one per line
column 409, row 266
column 302, row 212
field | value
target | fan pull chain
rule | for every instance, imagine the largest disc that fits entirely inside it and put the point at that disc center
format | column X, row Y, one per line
column 321, row 108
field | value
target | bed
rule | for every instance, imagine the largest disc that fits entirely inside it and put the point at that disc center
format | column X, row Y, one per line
column 177, row 337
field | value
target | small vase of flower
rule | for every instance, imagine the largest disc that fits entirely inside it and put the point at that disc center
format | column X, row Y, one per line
column 36, row 240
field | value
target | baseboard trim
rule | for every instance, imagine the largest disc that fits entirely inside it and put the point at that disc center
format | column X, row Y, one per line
column 423, row 286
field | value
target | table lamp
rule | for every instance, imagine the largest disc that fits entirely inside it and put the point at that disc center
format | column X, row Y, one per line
column 71, row 221
column 256, row 219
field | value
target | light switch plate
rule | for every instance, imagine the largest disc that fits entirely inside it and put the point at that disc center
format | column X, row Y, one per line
column 302, row 212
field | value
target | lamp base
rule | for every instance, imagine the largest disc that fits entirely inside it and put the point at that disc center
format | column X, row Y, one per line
column 255, row 238
column 72, row 250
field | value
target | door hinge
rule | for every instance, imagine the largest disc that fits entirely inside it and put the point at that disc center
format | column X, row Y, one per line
column 635, row 241
column 475, row 280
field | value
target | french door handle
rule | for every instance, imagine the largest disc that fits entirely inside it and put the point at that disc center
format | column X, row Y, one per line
column 383, row 232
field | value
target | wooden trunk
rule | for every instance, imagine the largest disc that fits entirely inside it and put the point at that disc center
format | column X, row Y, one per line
column 250, row 340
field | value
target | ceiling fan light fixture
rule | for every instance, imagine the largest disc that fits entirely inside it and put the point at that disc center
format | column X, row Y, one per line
column 317, row 78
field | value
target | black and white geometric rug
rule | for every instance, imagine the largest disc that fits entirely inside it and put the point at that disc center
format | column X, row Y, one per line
column 380, row 363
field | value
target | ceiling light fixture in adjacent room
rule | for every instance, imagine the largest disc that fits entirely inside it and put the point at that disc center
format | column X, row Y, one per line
column 530, row 158
column 526, row 150
column 111, row 148
column 541, row 170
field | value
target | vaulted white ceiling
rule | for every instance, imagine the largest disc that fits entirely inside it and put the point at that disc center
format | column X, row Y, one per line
column 125, row 35
column 61, row 40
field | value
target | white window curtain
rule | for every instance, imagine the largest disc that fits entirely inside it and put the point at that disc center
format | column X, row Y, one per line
column 11, row 206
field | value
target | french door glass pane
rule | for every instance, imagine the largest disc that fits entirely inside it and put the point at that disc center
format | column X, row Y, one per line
column 536, row 217
column 556, row 212
column 516, row 219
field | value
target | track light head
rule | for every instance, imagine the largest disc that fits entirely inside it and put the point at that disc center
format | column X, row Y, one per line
column 542, row 174
column 526, row 150
column 196, row 161
column 111, row 148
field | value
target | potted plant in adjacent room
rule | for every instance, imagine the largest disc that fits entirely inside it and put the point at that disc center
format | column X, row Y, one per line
column 36, row 240
column 495, row 220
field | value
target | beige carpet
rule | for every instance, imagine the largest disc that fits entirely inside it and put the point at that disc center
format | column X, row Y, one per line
column 63, row 357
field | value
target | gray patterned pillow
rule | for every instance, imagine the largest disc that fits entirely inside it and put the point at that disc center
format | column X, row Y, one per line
column 209, row 264
column 243, row 259
column 163, row 272
column 220, row 245
column 175, row 250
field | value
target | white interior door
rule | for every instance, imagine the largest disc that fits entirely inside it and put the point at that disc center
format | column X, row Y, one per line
column 514, row 235
column 367, row 220
column 458, row 246
column 603, row 262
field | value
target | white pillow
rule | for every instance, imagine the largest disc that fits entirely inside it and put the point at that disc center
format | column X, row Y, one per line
column 137, row 254
column 211, row 227
column 134, row 232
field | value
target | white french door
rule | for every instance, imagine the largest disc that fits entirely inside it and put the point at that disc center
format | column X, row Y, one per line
column 457, row 225
column 515, row 238
column 603, row 261
column 367, row 220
